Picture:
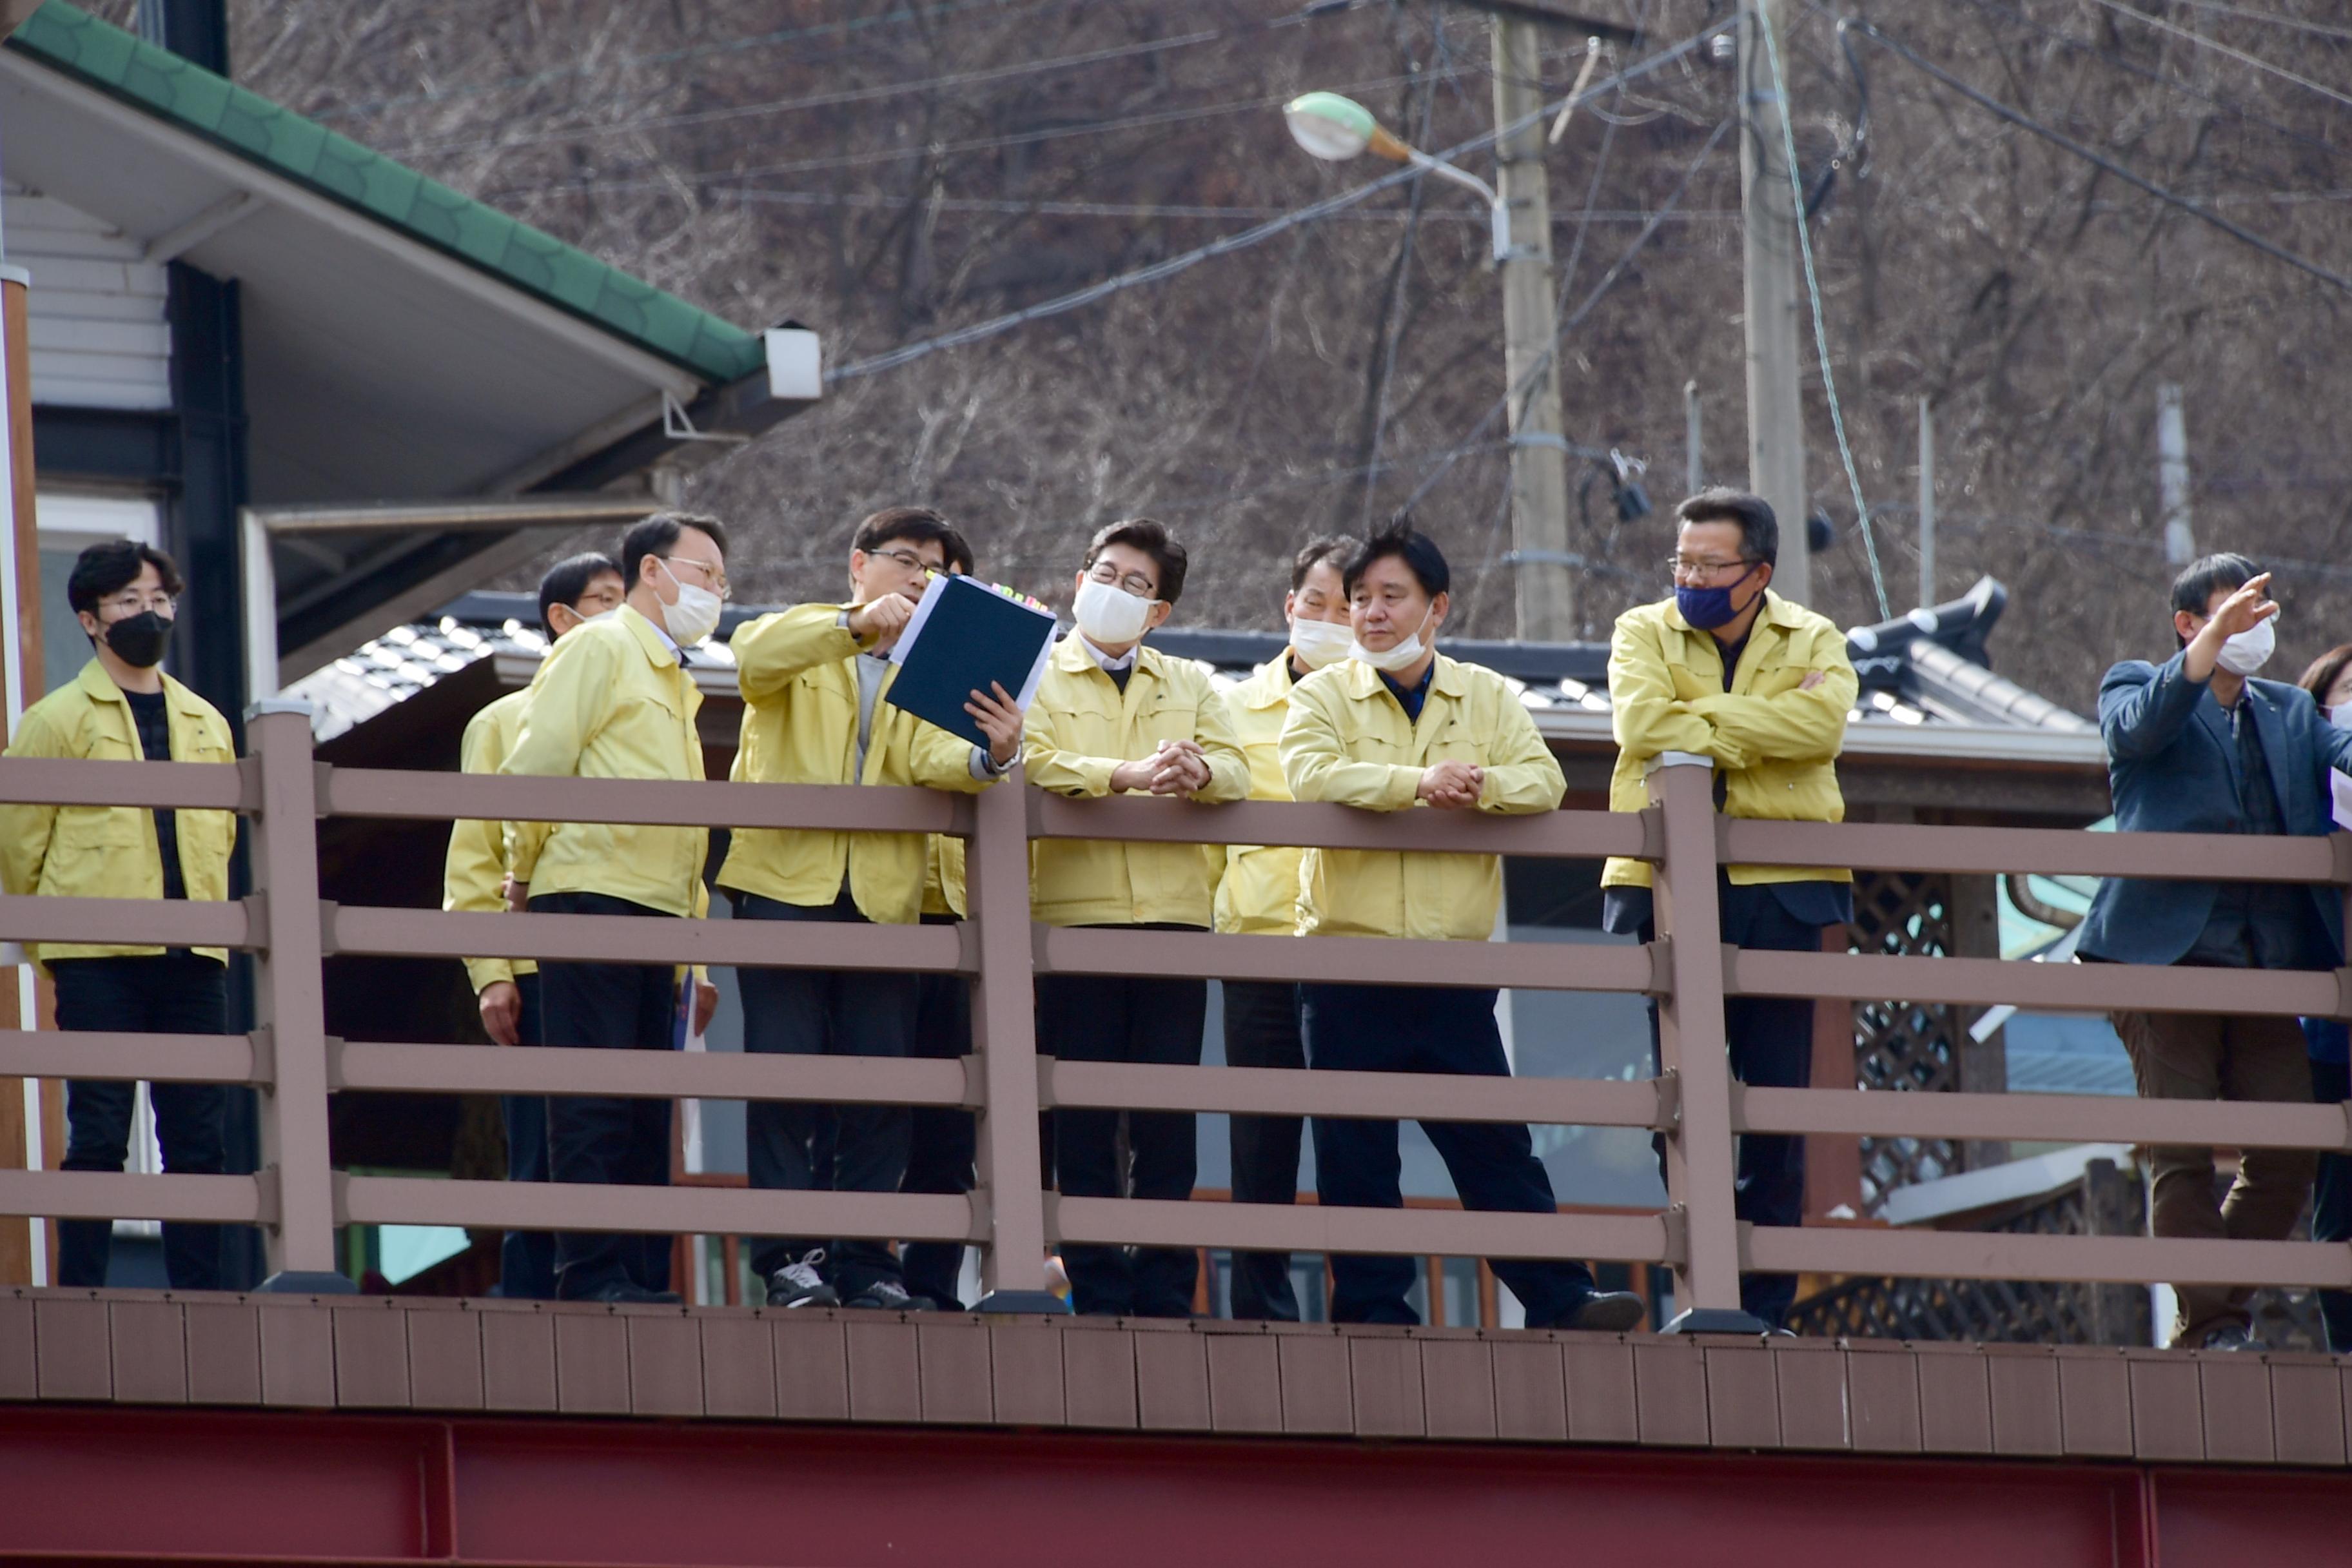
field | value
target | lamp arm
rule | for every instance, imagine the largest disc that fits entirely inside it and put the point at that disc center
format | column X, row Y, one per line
column 1499, row 214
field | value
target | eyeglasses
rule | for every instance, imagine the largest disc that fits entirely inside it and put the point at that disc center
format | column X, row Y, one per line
column 133, row 603
column 714, row 575
column 1134, row 582
column 1683, row 568
column 906, row 558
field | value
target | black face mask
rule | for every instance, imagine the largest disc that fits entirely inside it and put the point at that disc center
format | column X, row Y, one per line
column 139, row 640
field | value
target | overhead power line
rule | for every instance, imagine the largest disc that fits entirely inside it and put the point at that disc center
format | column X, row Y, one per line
column 978, row 331
column 2271, row 18
column 2218, row 48
column 826, row 100
column 1820, row 331
column 2059, row 138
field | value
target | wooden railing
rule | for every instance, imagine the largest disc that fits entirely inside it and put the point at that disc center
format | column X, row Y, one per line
column 299, row 1199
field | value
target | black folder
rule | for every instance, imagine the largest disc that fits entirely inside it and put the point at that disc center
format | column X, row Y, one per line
column 966, row 634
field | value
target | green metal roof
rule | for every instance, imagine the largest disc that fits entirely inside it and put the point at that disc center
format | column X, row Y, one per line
column 277, row 139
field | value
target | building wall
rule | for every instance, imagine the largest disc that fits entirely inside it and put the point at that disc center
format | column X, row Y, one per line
column 99, row 335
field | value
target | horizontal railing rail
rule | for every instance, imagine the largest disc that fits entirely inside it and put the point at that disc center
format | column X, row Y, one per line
column 299, row 1198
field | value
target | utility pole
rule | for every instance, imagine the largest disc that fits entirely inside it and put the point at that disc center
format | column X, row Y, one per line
column 1694, row 454
column 2172, row 474
column 1926, row 504
column 1776, row 425
column 1547, row 587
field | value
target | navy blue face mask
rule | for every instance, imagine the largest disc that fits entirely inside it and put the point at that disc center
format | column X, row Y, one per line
column 1707, row 608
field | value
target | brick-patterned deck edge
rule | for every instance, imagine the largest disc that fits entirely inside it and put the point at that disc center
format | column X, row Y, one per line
column 1890, row 1398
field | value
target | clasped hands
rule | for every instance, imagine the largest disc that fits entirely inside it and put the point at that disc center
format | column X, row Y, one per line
column 1176, row 767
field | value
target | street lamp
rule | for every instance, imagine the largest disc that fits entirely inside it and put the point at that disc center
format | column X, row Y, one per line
column 1336, row 128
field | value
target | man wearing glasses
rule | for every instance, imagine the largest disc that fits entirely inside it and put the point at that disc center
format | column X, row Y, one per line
column 1114, row 716
column 123, row 707
column 813, row 679
column 615, row 701
column 1729, row 671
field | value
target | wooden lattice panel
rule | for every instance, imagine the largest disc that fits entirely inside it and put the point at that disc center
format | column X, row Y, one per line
column 1903, row 1045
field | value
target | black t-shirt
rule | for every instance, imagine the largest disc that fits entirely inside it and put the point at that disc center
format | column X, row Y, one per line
column 152, row 714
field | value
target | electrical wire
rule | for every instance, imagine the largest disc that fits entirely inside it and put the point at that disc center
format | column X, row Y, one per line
column 956, row 8
column 945, row 149
column 2271, row 18
column 1608, row 281
column 1821, row 332
column 908, row 352
column 823, row 100
column 2124, row 62
column 1131, row 210
column 2059, row 138
column 2218, row 48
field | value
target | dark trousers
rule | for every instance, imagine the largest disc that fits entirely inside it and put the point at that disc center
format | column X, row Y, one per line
column 1450, row 1029
column 941, row 1139
column 596, row 1139
column 1771, row 1045
column 527, row 1257
column 1118, row 1019
column 2331, row 1203
column 175, row 993
column 1262, row 1031
column 821, row 1012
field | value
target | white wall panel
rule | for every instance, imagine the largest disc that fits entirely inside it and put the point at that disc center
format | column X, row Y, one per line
column 99, row 336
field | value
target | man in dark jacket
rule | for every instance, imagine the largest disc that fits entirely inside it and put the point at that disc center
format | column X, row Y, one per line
column 2196, row 745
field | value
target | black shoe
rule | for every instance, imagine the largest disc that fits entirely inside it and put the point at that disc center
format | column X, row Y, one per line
column 1607, row 1312
column 888, row 1296
column 630, row 1293
column 800, row 1285
column 2230, row 1337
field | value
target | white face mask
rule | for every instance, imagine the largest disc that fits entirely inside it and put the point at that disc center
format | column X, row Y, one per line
column 2341, row 715
column 692, row 616
column 1318, row 643
column 1405, row 655
column 1108, row 614
column 2249, row 650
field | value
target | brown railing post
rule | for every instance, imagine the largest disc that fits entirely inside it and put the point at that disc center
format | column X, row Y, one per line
column 1004, row 1033
column 291, row 1000
column 1692, row 1046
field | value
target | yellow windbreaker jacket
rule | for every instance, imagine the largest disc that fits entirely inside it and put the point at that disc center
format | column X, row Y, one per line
column 472, row 877
column 111, row 851
column 1347, row 740
column 1775, row 746
column 799, row 726
column 611, row 702
column 1258, row 895
column 1080, row 729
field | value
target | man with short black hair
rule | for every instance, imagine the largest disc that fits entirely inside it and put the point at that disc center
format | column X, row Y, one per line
column 2196, row 744
column 613, row 700
column 1395, row 726
column 1258, row 896
column 815, row 680
column 122, row 707
column 1728, row 671
column 1113, row 717
column 574, row 591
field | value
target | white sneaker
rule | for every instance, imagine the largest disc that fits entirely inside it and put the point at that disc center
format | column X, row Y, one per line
column 800, row 1285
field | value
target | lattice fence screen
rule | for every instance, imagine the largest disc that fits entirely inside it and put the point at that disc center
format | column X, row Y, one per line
column 1903, row 1045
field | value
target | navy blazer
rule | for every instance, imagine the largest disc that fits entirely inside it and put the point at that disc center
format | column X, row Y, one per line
column 2171, row 769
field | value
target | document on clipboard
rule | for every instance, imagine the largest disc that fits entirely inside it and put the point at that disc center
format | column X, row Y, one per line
column 966, row 634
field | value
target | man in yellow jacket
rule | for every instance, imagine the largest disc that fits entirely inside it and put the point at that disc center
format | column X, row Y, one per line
column 122, row 707
column 1115, row 716
column 615, row 701
column 1730, row 670
column 1399, row 725
column 1258, row 896
column 815, row 681
column 473, row 879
